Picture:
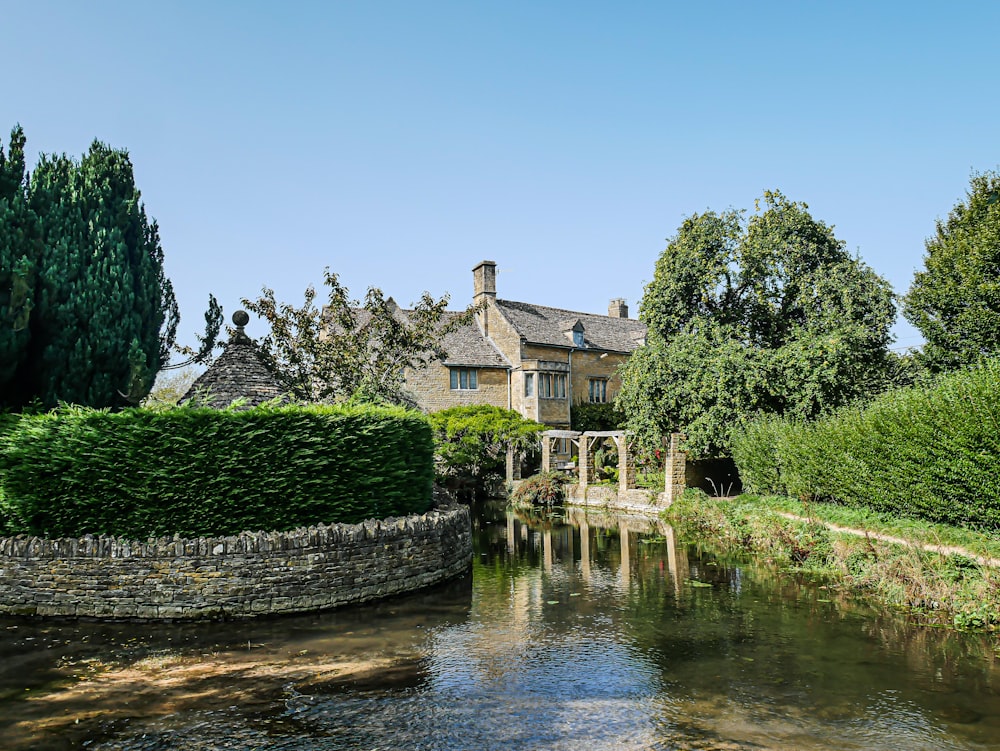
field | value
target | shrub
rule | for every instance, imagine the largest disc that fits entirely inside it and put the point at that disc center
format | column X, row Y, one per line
column 471, row 442
column 197, row 471
column 545, row 488
column 930, row 452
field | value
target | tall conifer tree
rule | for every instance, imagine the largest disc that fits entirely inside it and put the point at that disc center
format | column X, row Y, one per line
column 87, row 315
column 19, row 246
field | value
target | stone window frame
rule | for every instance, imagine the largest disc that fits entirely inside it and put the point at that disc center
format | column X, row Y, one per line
column 529, row 384
column 552, row 385
column 597, row 390
column 463, row 379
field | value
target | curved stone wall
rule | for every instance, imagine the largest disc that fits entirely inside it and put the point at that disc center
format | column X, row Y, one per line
column 245, row 575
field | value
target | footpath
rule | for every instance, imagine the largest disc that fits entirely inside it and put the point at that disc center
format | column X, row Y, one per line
column 929, row 547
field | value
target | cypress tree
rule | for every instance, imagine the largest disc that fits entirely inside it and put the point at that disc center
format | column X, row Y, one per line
column 19, row 246
column 90, row 317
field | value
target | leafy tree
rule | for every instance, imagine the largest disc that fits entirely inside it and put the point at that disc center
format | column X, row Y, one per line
column 345, row 350
column 171, row 385
column 470, row 444
column 584, row 416
column 955, row 300
column 769, row 314
column 87, row 315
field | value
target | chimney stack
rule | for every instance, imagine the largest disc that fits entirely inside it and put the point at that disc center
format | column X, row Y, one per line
column 484, row 291
column 617, row 308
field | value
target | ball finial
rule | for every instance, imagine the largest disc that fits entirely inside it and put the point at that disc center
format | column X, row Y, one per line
column 240, row 318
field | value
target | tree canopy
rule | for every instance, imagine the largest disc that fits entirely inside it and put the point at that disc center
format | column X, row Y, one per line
column 347, row 350
column 87, row 315
column 955, row 300
column 471, row 442
column 761, row 314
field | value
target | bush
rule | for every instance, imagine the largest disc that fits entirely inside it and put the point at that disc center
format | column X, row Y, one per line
column 584, row 416
column 197, row 471
column 470, row 445
column 930, row 452
column 545, row 488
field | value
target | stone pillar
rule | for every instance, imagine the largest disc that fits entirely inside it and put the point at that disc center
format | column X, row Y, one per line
column 676, row 468
column 626, row 465
column 585, row 461
column 513, row 465
column 546, row 454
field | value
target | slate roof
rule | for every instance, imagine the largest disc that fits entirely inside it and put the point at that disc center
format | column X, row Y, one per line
column 539, row 324
column 466, row 346
column 238, row 373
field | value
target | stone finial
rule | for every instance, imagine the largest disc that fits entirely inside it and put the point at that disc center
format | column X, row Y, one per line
column 241, row 319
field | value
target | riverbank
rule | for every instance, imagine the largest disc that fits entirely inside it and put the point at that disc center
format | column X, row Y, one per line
column 941, row 575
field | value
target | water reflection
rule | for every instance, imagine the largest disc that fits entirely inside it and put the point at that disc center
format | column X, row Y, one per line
column 576, row 630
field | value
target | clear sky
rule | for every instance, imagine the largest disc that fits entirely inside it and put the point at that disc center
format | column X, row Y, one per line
column 399, row 143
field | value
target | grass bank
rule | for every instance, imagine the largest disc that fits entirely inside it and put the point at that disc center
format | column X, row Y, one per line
column 954, row 589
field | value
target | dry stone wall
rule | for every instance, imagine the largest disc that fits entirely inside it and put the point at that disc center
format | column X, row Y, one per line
column 250, row 574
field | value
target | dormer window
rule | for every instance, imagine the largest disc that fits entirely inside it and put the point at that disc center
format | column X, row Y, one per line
column 575, row 332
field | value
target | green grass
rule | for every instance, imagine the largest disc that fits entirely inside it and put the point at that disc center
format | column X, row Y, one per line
column 942, row 589
column 918, row 531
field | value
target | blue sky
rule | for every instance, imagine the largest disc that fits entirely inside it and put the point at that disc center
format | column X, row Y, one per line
column 399, row 143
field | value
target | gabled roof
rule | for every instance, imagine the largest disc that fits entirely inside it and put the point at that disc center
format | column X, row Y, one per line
column 539, row 324
column 464, row 346
column 467, row 346
column 237, row 374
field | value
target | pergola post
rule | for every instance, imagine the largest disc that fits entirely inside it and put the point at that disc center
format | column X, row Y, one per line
column 546, row 453
column 626, row 465
column 676, row 468
column 586, row 463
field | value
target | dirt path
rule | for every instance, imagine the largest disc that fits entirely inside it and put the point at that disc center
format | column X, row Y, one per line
column 929, row 547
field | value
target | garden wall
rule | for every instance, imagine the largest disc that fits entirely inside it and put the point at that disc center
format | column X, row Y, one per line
column 243, row 575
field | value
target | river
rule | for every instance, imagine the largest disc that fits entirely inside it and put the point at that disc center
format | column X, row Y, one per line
column 587, row 631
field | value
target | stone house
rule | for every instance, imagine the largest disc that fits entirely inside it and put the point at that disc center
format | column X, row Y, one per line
column 531, row 358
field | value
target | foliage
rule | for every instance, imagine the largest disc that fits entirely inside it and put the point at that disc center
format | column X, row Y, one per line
column 944, row 588
column 171, row 385
column 769, row 314
column 345, row 351
column 86, row 313
column 470, row 444
column 584, row 416
column 196, row 471
column 955, row 300
column 929, row 452
column 545, row 488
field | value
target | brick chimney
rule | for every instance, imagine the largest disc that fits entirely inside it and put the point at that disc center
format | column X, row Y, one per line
column 484, row 292
column 617, row 308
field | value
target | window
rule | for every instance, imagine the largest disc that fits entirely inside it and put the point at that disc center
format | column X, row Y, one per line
column 464, row 378
column 562, row 446
column 598, row 390
column 529, row 384
column 552, row 385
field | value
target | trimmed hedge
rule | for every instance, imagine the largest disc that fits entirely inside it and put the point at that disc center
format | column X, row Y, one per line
column 197, row 471
column 931, row 452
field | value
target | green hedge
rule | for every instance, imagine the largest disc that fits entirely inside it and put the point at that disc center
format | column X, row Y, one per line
column 195, row 471
column 931, row 452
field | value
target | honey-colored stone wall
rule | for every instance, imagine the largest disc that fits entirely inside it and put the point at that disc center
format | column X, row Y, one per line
column 431, row 387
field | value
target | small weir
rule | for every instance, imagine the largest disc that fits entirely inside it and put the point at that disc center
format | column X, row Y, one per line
column 584, row 630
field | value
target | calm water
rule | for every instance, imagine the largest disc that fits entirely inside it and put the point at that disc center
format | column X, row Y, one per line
column 591, row 632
